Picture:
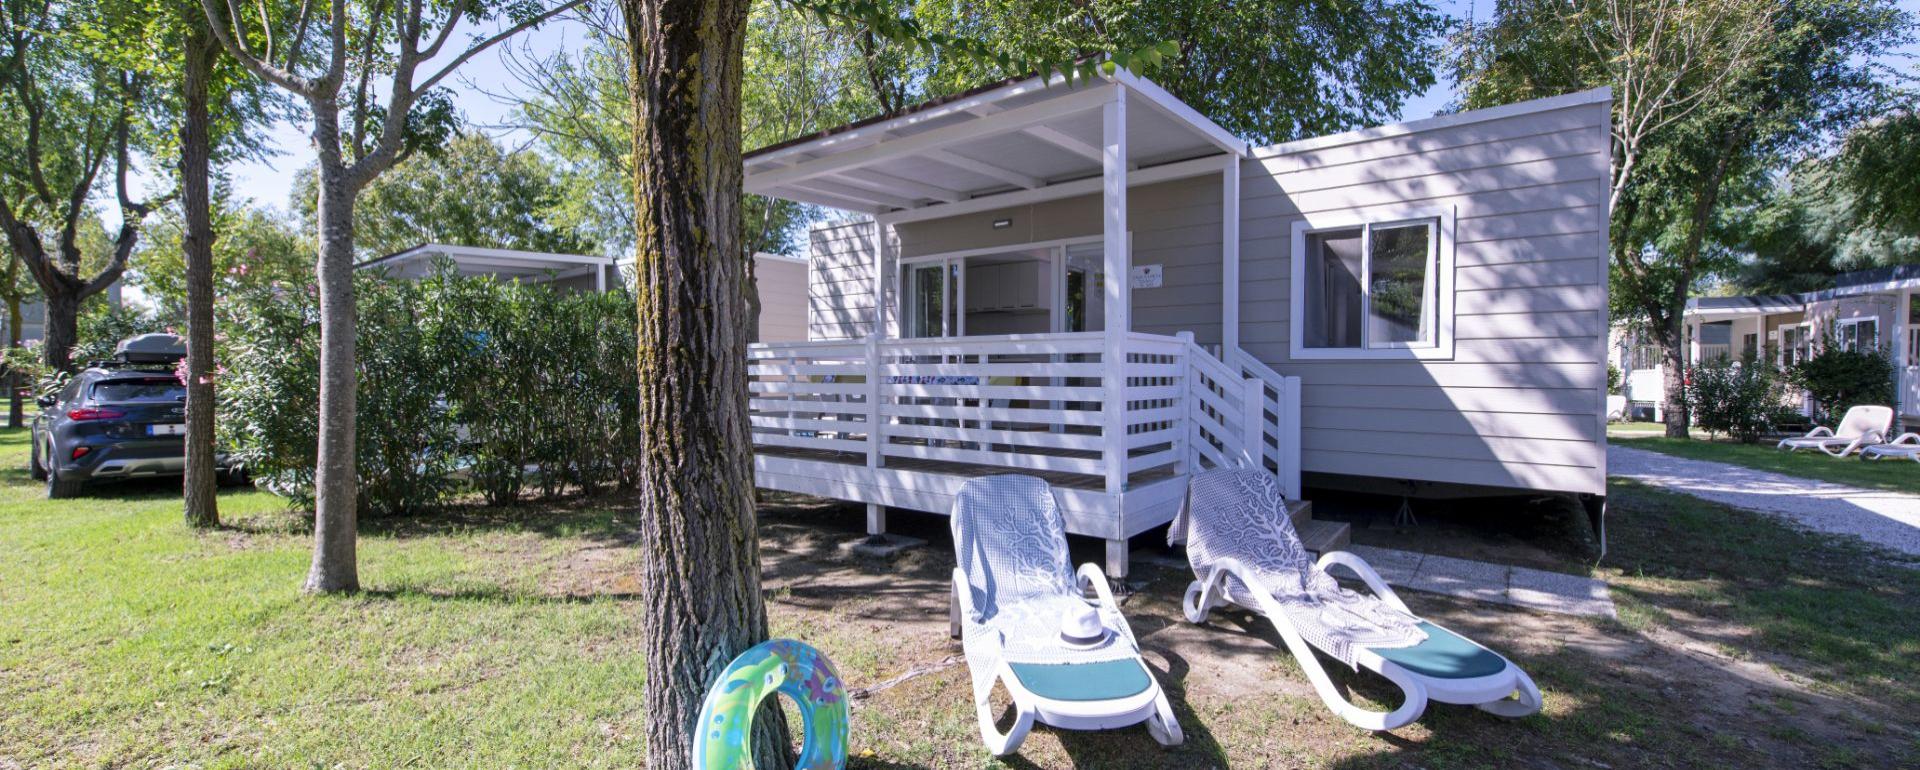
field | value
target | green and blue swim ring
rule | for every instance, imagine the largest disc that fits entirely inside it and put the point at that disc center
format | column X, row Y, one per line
column 792, row 669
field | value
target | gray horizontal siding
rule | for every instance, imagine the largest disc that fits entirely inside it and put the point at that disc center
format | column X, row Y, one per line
column 840, row 282
column 1520, row 402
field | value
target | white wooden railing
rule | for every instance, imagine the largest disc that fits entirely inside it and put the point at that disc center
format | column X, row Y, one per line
column 1035, row 403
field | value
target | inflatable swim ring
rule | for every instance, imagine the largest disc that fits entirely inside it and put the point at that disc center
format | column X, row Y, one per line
column 792, row 669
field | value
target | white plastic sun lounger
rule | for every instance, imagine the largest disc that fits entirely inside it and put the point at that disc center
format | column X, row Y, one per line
column 1862, row 426
column 1238, row 535
column 1907, row 446
column 1012, row 590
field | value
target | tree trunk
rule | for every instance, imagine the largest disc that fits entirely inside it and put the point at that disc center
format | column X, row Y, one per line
column 195, row 149
column 335, row 516
column 16, row 408
column 61, row 325
column 1673, row 375
column 699, row 548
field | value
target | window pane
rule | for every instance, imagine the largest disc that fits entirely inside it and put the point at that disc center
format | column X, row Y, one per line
column 927, row 301
column 1398, row 312
column 1333, row 300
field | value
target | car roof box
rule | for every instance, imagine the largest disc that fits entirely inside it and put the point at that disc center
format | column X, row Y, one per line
column 151, row 349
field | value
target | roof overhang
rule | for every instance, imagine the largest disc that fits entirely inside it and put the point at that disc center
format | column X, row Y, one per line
column 532, row 266
column 1024, row 135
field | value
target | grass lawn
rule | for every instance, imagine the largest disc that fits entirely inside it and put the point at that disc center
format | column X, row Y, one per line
column 1891, row 475
column 494, row 638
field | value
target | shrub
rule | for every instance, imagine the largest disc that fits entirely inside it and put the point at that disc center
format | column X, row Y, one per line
column 465, row 384
column 1840, row 379
column 1739, row 399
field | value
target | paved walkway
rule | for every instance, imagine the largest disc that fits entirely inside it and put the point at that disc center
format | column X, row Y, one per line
column 1890, row 519
column 1476, row 580
column 1481, row 581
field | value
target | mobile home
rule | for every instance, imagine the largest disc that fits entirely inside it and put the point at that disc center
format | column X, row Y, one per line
column 1876, row 308
column 1096, row 284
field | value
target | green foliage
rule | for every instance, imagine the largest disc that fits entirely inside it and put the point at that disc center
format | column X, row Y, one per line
column 1739, row 399
column 1613, row 379
column 1808, row 227
column 471, row 192
column 254, row 246
column 464, row 384
column 1839, row 379
column 103, row 326
column 1267, row 70
column 1881, row 164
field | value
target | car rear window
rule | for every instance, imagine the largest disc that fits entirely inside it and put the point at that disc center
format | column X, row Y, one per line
column 145, row 389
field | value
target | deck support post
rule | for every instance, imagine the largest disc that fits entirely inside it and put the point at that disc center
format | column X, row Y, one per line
column 1117, row 560
column 876, row 520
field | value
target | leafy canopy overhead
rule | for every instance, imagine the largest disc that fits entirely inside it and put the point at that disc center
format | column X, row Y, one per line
column 1268, row 70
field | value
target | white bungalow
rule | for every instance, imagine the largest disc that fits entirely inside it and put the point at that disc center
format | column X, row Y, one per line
column 1100, row 286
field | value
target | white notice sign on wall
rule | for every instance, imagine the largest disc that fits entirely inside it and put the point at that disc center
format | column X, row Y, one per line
column 1145, row 276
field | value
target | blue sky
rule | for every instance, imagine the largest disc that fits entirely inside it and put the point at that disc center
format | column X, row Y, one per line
column 269, row 182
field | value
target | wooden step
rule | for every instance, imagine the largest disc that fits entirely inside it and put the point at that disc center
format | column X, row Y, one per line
column 1301, row 511
column 1324, row 536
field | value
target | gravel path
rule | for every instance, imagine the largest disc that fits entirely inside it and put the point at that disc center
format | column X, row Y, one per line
column 1890, row 519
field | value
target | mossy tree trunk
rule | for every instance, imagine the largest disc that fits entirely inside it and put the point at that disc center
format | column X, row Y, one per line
column 699, row 550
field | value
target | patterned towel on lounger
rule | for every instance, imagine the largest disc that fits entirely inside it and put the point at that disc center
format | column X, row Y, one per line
column 1239, row 513
column 1010, row 540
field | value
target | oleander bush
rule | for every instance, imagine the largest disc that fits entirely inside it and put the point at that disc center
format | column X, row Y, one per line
column 1839, row 379
column 1738, row 398
column 466, row 384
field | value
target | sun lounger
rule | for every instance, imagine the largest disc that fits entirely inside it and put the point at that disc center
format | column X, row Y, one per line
column 1862, row 425
column 1023, row 618
column 1244, row 552
column 1907, row 446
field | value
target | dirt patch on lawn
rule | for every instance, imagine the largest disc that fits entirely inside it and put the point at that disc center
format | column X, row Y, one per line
column 1616, row 697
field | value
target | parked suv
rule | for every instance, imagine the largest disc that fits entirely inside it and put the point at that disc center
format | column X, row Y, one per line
column 117, row 419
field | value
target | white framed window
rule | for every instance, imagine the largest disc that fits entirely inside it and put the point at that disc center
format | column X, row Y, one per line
column 1859, row 333
column 1373, row 286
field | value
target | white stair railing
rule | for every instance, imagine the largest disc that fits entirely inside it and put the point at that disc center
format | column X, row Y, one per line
column 1279, row 419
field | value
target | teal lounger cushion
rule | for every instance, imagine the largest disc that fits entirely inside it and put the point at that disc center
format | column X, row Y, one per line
column 1106, row 680
column 1444, row 655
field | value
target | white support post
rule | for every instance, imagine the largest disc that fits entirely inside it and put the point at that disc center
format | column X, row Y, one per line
column 1189, row 381
column 1253, row 420
column 1117, row 318
column 876, row 433
column 1288, row 436
column 1230, row 257
column 876, row 423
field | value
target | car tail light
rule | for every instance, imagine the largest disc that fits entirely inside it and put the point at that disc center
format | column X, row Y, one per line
column 94, row 413
column 81, row 451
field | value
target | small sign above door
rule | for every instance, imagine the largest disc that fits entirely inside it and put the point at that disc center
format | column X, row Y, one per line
column 1145, row 276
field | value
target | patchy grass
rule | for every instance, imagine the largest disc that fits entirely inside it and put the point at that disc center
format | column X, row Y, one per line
column 126, row 640
column 504, row 637
column 1890, row 475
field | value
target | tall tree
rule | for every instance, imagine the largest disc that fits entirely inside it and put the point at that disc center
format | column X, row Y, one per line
column 356, row 136
column 199, row 53
column 72, row 95
column 1706, row 96
column 699, row 549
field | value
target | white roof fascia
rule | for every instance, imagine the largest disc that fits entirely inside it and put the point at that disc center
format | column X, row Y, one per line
column 1593, row 96
column 1180, row 111
column 879, row 131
